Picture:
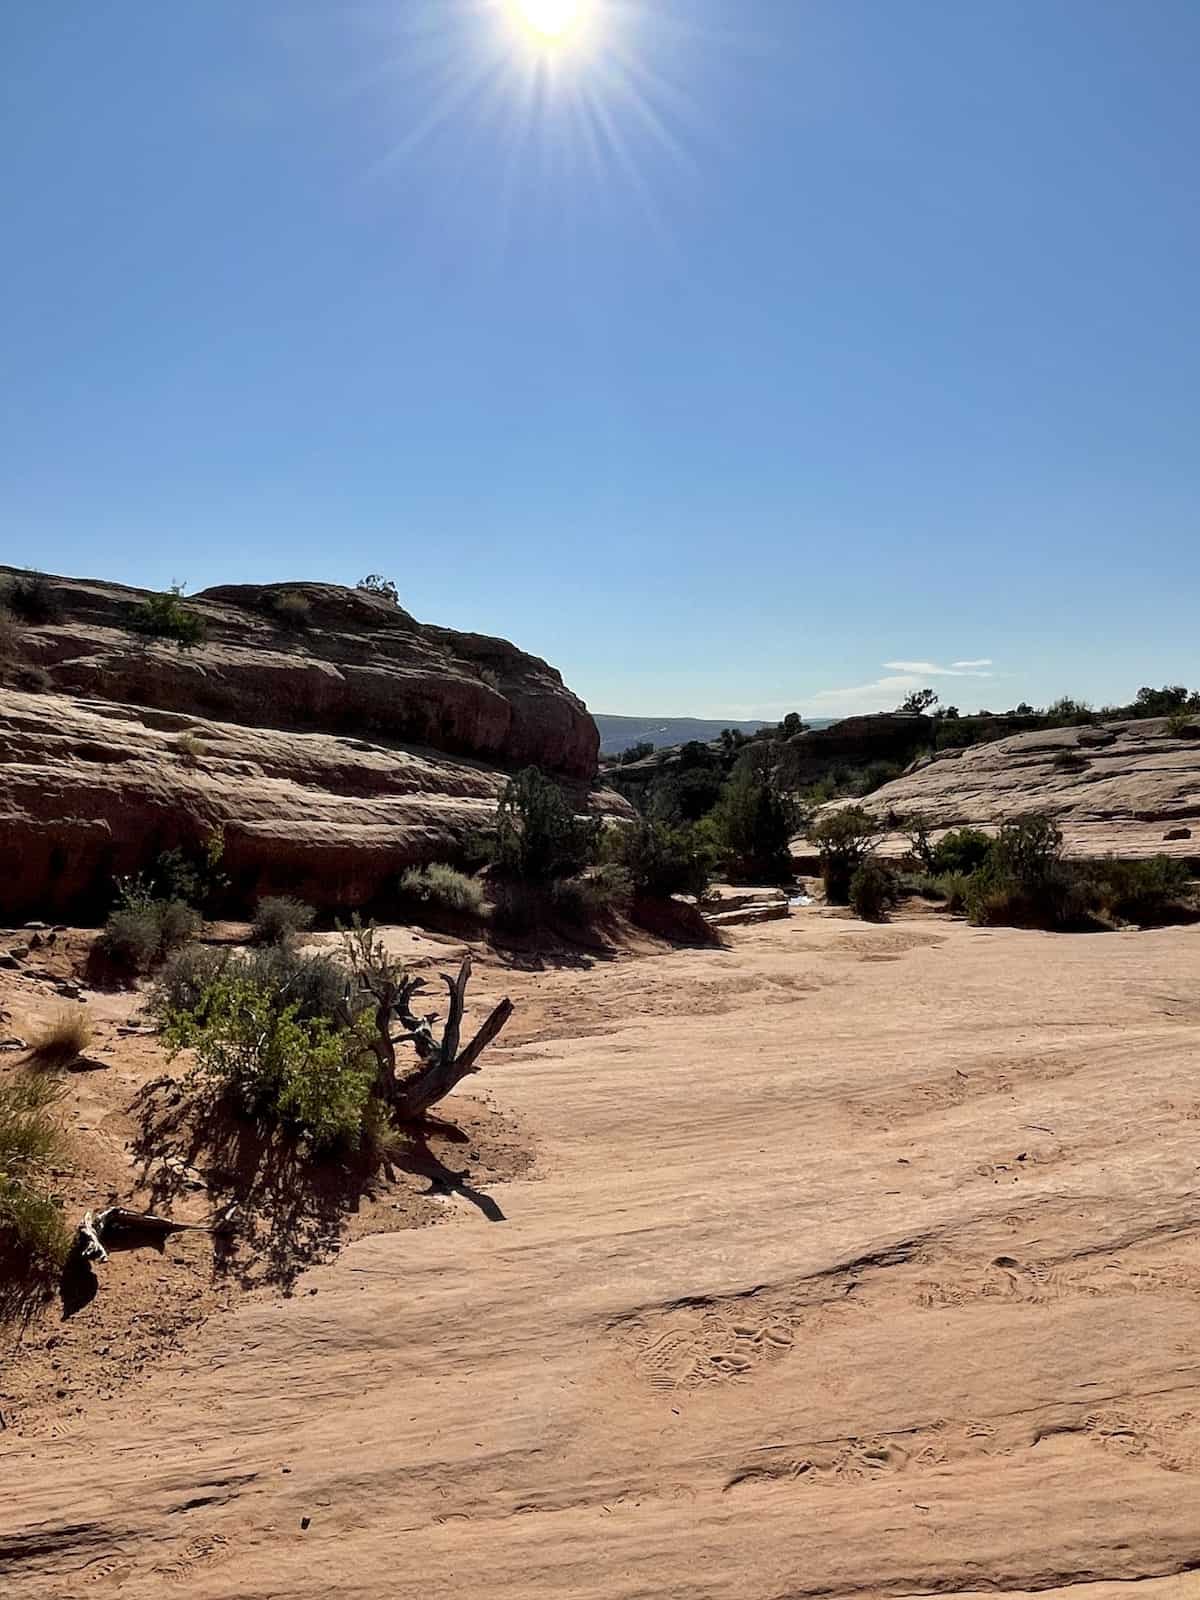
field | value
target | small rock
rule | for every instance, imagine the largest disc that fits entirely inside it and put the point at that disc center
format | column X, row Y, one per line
column 20, row 951
column 13, row 1044
column 36, row 941
column 9, row 962
column 36, row 927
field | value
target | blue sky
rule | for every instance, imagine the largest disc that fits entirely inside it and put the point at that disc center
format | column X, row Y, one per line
column 741, row 357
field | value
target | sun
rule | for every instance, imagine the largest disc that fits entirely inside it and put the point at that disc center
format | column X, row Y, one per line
column 550, row 22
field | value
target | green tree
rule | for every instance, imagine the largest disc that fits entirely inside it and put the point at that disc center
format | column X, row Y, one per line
column 919, row 703
column 538, row 835
column 752, row 825
column 844, row 838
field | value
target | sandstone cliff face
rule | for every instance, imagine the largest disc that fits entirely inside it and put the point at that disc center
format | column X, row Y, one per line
column 1127, row 787
column 359, row 665
column 332, row 755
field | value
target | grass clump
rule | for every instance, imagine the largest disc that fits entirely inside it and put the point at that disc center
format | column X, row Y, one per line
column 279, row 919
column 62, row 1040
column 1069, row 761
column 444, row 887
column 291, row 609
column 33, row 1237
column 143, row 930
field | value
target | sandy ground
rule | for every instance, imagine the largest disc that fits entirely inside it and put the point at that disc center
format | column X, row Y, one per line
column 854, row 1260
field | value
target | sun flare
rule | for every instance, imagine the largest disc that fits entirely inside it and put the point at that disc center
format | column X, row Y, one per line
column 550, row 21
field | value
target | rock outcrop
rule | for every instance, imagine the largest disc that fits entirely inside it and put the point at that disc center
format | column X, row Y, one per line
column 1130, row 788
column 332, row 750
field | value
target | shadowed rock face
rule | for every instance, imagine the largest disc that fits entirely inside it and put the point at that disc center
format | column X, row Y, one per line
column 1130, row 788
column 332, row 754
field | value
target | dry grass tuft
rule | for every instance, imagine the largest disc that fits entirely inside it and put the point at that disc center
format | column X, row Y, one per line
column 62, row 1040
column 33, row 1236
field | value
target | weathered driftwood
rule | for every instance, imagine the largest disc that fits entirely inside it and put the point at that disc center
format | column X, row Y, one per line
column 388, row 992
column 99, row 1225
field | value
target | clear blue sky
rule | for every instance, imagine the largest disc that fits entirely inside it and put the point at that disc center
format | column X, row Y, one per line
column 724, row 358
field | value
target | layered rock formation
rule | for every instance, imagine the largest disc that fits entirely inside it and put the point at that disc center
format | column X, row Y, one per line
column 1130, row 788
column 333, row 748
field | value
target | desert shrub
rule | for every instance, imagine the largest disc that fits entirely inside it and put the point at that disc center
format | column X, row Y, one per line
column 31, row 598
column 1183, row 725
column 953, row 888
column 1026, row 883
column 312, row 1075
column 844, row 839
column 142, row 931
column 31, row 678
column 291, row 609
column 591, row 896
column 661, row 860
column 1142, row 891
column 874, row 775
column 441, row 885
column 1169, row 701
column 315, row 984
column 278, row 919
column 164, row 616
column 686, row 795
column 538, row 835
column 32, row 1233
column 190, row 748
column 636, row 752
column 10, row 635
column 961, row 851
column 1069, row 761
column 752, row 825
column 376, row 583
column 873, row 891
column 62, row 1040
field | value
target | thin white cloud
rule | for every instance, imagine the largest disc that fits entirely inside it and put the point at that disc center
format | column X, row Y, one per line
column 930, row 669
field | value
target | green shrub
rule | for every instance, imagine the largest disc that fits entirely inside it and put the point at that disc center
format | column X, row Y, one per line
column 33, row 1238
column 444, row 886
column 661, row 860
column 1183, row 725
column 873, row 891
column 844, row 839
column 1026, row 883
column 961, row 851
column 1143, row 891
column 636, row 752
column 190, row 748
column 308, row 1074
column 278, row 919
column 375, row 583
column 163, row 616
column 32, row 599
column 538, row 835
column 315, row 984
column 143, row 931
column 291, row 609
column 752, row 826
column 592, row 896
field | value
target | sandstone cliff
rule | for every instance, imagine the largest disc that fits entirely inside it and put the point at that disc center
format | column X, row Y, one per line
column 1130, row 788
column 332, row 753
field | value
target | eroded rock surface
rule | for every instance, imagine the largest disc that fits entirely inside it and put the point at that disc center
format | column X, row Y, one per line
column 1132, row 788
column 332, row 753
